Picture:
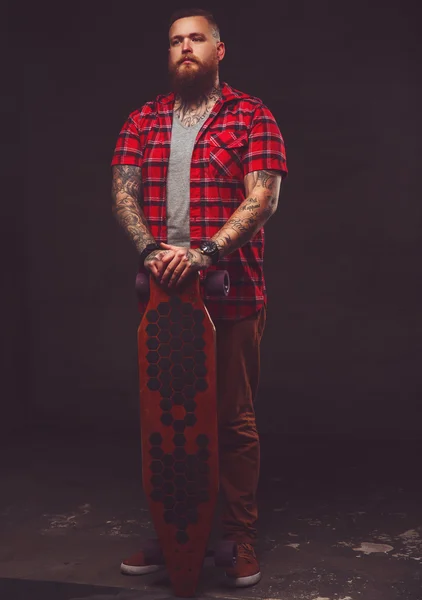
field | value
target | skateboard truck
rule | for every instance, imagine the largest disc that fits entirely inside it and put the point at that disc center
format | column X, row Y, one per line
column 216, row 283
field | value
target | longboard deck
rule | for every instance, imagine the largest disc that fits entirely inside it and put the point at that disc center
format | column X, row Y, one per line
column 178, row 398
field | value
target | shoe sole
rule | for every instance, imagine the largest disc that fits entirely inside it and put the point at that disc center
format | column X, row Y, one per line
column 132, row 570
column 239, row 582
column 144, row 570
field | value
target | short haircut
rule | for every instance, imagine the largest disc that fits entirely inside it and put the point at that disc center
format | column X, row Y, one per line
column 196, row 12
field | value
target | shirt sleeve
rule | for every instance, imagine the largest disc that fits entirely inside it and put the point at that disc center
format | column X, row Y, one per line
column 266, row 145
column 129, row 147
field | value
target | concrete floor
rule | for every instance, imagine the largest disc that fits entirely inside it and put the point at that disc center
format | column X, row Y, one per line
column 341, row 519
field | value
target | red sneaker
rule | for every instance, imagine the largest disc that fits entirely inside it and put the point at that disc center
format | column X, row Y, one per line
column 135, row 565
column 247, row 571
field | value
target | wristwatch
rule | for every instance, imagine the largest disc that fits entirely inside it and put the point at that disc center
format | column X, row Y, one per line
column 210, row 248
column 147, row 250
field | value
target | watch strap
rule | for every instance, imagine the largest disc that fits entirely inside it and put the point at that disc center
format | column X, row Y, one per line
column 147, row 250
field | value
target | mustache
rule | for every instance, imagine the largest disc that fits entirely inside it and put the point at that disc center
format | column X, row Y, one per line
column 191, row 58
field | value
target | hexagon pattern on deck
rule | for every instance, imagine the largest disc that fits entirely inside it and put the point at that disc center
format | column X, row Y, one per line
column 177, row 370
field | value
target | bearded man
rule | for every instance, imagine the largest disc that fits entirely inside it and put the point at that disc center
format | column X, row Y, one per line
column 196, row 175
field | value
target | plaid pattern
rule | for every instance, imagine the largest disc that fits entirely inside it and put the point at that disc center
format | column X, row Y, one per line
column 239, row 136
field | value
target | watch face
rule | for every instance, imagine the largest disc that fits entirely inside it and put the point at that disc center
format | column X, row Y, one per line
column 209, row 247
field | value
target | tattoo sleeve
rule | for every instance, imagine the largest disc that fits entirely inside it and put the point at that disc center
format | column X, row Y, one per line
column 126, row 195
column 262, row 192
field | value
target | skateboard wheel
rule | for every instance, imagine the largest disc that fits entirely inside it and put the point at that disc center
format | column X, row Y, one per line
column 217, row 283
column 152, row 553
column 225, row 554
column 142, row 286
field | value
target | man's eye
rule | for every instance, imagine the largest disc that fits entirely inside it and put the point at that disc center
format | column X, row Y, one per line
column 197, row 39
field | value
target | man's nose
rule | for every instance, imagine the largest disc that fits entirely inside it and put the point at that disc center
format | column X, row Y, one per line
column 187, row 45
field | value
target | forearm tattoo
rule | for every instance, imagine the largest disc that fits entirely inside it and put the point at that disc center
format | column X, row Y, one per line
column 126, row 194
column 252, row 214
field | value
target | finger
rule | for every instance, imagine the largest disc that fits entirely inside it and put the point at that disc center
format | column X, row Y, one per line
column 147, row 266
column 165, row 252
column 153, row 266
column 166, row 275
column 167, row 259
column 170, row 268
column 163, row 260
column 168, row 256
column 155, row 269
column 178, row 273
column 190, row 268
column 170, row 247
column 183, row 276
column 163, row 286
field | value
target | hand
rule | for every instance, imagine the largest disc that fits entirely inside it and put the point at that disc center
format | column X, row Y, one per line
column 154, row 262
column 181, row 263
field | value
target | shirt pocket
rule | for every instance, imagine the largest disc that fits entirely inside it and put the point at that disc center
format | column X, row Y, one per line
column 227, row 150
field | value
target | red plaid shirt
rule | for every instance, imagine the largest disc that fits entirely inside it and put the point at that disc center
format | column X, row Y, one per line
column 239, row 136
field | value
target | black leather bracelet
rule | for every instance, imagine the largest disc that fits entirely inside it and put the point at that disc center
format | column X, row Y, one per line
column 147, row 250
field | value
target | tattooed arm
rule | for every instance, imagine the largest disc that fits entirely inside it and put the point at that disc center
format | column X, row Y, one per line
column 262, row 192
column 126, row 195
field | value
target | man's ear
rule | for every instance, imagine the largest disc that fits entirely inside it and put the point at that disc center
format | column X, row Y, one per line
column 221, row 50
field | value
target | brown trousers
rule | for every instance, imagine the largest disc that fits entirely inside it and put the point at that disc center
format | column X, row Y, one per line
column 238, row 366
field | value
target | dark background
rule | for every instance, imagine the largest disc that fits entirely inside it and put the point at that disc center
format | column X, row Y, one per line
column 343, row 344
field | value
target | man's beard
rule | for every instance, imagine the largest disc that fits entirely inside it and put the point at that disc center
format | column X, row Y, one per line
column 192, row 83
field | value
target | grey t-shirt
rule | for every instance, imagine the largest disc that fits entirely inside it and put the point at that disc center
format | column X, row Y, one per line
column 178, row 182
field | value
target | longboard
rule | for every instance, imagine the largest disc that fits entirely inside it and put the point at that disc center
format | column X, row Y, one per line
column 178, row 412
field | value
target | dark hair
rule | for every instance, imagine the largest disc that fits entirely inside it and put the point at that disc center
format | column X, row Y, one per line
column 196, row 12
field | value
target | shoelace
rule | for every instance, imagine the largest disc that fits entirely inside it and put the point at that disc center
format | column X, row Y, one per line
column 246, row 551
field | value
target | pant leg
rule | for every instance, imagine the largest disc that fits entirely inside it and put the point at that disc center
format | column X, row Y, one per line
column 238, row 366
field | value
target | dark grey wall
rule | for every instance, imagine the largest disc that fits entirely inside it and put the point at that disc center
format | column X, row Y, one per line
column 13, row 249
column 343, row 343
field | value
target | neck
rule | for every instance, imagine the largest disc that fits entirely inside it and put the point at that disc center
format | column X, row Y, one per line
column 213, row 94
column 191, row 110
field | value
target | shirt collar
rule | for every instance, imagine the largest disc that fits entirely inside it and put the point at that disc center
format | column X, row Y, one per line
column 227, row 94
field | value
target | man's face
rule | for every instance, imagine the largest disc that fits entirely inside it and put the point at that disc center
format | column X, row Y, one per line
column 194, row 55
